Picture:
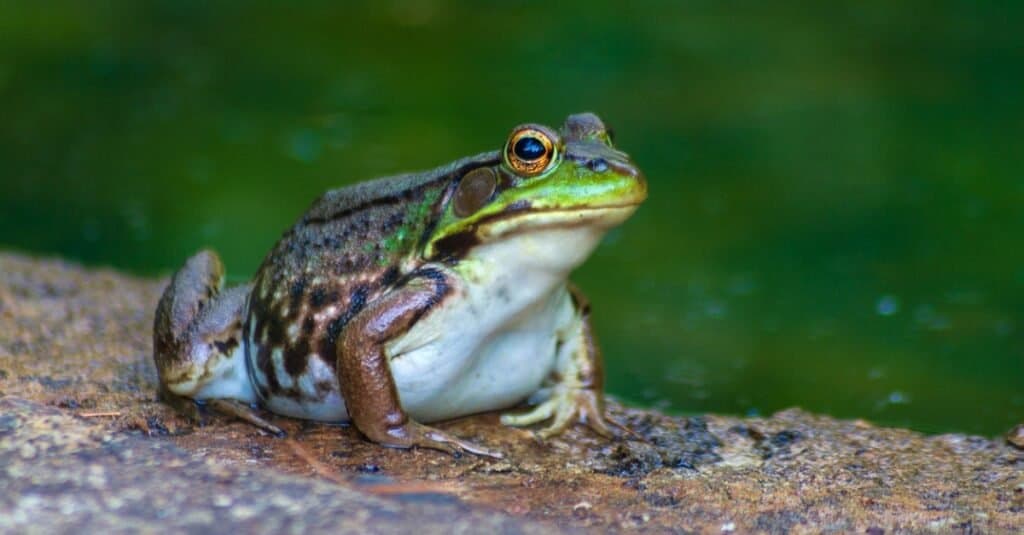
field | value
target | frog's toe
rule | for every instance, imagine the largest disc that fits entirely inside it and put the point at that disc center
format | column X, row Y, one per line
column 565, row 407
column 441, row 440
column 591, row 412
column 416, row 434
column 230, row 407
column 537, row 414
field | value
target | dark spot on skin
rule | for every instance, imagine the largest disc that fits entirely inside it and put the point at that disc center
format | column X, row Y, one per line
column 317, row 297
column 266, row 322
column 297, row 290
column 455, row 246
column 390, row 276
column 324, row 389
column 226, row 346
column 356, row 302
column 296, row 357
column 441, row 290
column 393, row 222
column 308, row 325
column 265, row 363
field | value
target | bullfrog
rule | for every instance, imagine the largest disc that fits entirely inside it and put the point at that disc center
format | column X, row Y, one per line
column 416, row 298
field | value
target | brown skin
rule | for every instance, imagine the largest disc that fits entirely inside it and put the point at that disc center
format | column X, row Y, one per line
column 364, row 373
column 591, row 371
column 193, row 312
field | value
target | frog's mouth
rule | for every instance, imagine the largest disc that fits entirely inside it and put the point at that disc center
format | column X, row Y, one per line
column 521, row 218
column 517, row 220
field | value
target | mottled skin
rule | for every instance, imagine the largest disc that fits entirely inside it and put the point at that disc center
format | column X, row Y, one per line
column 449, row 275
column 352, row 246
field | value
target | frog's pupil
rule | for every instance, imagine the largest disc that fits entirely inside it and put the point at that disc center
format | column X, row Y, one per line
column 529, row 149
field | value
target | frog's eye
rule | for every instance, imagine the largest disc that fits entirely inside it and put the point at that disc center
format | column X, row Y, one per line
column 474, row 191
column 530, row 151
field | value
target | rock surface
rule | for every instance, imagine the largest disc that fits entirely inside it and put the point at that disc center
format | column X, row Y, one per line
column 85, row 444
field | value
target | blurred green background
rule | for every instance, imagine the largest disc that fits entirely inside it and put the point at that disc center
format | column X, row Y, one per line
column 837, row 188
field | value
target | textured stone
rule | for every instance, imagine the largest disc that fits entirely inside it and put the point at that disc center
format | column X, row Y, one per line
column 85, row 444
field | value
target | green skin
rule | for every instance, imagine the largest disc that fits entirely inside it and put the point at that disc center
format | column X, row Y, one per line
column 384, row 269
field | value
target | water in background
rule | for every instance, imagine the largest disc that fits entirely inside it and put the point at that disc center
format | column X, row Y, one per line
column 837, row 189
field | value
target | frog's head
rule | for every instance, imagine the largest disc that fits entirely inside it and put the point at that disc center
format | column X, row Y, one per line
column 543, row 184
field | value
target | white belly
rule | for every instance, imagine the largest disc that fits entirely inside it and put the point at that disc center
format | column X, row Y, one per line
column 449, row 365
column 489, row 344
column 452, row 364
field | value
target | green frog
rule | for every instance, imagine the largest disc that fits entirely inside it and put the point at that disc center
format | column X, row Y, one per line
column 416, row 298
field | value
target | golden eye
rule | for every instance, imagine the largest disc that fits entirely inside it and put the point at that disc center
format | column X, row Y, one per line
column 529, row 151
column 474, row 191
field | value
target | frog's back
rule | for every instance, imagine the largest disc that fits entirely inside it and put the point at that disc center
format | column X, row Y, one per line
column 350, row 246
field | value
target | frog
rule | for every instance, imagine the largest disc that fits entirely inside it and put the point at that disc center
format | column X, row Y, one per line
column 403, row 301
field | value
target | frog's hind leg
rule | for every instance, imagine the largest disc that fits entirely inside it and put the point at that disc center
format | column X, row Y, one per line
column 364, row 369
column 197, row 341
column 578, row 392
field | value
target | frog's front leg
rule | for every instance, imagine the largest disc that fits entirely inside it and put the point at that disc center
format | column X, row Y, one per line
column 197, row 342
column 364, row 373
column 578, row 392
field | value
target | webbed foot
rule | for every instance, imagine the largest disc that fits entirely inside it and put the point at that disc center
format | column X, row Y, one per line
column 192, row 410
column 576, row 392
column 565, row 407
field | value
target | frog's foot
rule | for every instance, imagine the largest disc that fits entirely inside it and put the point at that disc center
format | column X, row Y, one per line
column 192, row 410
column 197, row 343
column 237, row 409
column 416, row 434
column 566, row 406
column 182, row 405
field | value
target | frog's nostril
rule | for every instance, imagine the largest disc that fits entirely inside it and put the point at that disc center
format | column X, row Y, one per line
column 598, row 165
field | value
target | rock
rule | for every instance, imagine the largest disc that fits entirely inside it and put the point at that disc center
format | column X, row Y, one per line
column 85, row 444
column 1015, row 436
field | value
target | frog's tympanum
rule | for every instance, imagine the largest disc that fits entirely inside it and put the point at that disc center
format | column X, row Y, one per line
column 416, row 298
